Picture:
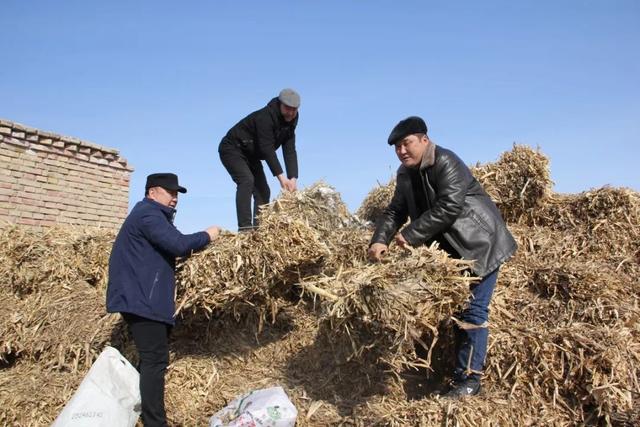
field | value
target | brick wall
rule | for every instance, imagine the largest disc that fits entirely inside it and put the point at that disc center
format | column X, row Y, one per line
column 48, row 179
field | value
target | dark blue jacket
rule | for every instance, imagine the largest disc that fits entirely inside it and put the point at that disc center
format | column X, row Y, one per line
column 143, row 259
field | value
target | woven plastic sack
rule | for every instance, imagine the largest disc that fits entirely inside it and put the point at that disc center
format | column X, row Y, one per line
column 269, row 407
column 108, row 396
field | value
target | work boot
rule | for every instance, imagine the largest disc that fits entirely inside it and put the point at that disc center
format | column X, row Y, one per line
column 463, row 388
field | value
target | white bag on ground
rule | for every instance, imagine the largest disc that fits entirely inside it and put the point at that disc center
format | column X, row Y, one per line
column 267, row 407
column 109, row 395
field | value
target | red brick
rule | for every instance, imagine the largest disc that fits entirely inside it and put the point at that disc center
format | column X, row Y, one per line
column 26, row 221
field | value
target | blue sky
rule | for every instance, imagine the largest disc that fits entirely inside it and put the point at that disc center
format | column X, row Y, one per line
column 163, row 82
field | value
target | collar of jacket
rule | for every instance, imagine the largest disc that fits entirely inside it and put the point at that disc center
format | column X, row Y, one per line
column 274, row 105
column 168, row 211
column 428, row 157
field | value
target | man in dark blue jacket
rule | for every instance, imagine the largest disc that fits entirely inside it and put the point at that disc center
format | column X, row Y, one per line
column 256, row 138
column 446, row 204
column 142, row 282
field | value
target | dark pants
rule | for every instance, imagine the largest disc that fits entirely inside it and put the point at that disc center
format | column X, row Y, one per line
column 248, row 174
column 152, row 341
column 472, row 331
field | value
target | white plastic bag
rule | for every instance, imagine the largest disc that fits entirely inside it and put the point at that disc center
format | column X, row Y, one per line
column 109, row 395
column 267, row 407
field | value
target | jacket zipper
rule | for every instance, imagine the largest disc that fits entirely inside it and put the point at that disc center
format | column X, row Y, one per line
column 155, row 281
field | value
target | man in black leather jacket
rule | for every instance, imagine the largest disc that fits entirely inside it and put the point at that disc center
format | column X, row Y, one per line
column 256, row 138
column 445, row 203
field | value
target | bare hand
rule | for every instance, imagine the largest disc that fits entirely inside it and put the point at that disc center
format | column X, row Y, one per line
column 401, row 241
column 284, row 182
column 213, row 232
column 292, row 184
column 377, row 251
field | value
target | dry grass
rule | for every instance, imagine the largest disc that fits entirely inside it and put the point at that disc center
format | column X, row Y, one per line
column 296, row 304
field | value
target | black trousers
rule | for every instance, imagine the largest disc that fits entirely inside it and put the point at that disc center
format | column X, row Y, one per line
column 248, row 174
column 152, row 342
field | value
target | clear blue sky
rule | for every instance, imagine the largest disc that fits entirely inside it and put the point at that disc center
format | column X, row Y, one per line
column 163, row 81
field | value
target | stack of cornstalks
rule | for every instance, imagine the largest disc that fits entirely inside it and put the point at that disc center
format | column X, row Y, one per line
column 296, row 303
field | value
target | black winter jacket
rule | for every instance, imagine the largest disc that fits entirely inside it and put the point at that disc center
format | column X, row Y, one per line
column 262, row 132
column 444, row 200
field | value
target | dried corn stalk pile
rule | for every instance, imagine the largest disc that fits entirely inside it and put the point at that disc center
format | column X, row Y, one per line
column 375, row 201
column 58, row 256
column 297, row 234
column 565, row 330
column 518, row 182
column 52, row 295
column 354, row 348
column 388, row 306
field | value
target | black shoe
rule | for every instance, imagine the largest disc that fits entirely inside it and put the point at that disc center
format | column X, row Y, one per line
column 464, row 388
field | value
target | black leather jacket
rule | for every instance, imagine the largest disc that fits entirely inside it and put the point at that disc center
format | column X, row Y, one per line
column 444, row 200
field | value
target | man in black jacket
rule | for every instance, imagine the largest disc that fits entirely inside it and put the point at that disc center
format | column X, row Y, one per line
column 445, row 203
column 256, row 138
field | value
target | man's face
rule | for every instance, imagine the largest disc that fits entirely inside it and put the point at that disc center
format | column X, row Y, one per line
column 289, row 113
column 410, row 150
column 164, row 197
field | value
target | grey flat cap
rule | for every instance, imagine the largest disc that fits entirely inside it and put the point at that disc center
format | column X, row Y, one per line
column 289, row 97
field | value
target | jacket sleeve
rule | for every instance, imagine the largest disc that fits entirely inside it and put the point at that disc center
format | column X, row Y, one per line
column 266, row 143
column 165, row 236
column 453, row 179
column 391, row 219
column 290, row 157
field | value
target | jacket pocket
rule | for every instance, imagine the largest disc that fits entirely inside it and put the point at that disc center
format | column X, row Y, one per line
column 481, row 222
column 469, row 233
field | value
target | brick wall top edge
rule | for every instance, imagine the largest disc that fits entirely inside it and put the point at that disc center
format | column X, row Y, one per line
column 70, row 140
column 118, row 161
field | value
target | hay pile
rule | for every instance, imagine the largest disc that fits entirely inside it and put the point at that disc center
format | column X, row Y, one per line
column 376, row 200
column 52, row 295
column 565, row 330
column 388, row 306
column 56, row 257
column 297, row 233
column 603, row 221
column 354, row 343
column 518, row 182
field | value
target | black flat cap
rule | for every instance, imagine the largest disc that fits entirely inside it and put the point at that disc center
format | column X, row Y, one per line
column 168, row 181
column 408, row 126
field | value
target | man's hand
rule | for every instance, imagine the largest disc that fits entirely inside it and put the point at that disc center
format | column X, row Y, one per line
column 401, row 241
column 285, row 183
column 292, row 185
column 377, row 251
column 213, row 232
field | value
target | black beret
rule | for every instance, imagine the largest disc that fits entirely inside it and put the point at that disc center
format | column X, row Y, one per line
column 408, row 126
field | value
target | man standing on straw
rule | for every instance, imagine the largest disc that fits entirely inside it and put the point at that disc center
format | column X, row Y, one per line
column 256, row 138
column 446, row 204
column 142, row 282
